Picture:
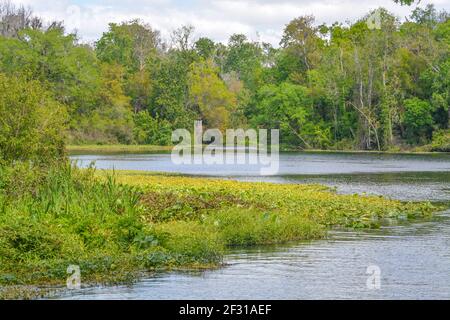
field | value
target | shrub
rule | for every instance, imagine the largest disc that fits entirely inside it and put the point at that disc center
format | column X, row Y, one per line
column 441, row 141
column 32, row 123
column 149, row 130
column 418, row 120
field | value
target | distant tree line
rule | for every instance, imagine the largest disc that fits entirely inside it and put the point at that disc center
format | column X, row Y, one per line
column 333, row 86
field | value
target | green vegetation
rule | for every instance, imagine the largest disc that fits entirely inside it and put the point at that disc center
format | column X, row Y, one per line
column 339, row 86
column 361, row 88
column 115, row 226
column 114, row 149
column 441, row 141
column 31, row 122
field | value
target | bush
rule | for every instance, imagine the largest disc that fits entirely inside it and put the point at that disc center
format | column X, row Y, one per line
column 32, row 123
column 149, row 130
column 418, row 120
column 66, row 216
column 441, row 141
column 63, row 215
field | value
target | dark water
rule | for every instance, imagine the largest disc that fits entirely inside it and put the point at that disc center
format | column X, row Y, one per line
column 413, row 258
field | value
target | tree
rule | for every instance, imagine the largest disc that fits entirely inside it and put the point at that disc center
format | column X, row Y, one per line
column 300, row 39
column 132, row 45
column 345, row 85
column 128, row 44
column 205, row 48
column 148, row 130
column 32, row 122
column 209, row 94
column 418, row 120
column 245, row 59
column 169, row 100
column 182, row 38
column 288, row 107
column 15, row 19
column 406, row 2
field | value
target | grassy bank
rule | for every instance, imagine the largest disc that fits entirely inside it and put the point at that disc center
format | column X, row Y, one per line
column 116, row 148
column 117, row 226
column 124, row 149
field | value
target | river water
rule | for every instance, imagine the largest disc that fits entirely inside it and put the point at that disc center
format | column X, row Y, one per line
column 413, row 258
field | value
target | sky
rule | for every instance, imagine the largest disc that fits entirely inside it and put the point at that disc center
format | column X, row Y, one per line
column 260, row 20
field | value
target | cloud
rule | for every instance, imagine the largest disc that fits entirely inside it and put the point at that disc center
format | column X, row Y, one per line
column 259, row 19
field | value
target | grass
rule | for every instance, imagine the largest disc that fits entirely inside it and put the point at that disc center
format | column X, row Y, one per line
column 116, row 226
column 128, row 149
column 115, row 149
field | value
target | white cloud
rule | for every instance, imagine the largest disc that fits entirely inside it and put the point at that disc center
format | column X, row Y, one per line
column 217, row 19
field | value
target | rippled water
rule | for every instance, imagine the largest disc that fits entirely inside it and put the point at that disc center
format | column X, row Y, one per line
column 414, row 262
column 414, row 258
column 290, row 164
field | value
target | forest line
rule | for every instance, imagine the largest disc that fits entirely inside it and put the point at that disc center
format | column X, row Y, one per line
column 339, row 86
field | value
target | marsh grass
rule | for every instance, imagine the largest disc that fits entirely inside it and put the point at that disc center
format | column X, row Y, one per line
column 68, row 216
column 115, row 225
column 115, row 149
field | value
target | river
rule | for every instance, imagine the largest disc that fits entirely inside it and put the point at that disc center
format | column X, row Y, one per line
column 413, row 258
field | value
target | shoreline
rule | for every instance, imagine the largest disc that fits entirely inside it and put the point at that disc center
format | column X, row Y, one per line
column 115, row 149
column 136, row 149
column 189, row 222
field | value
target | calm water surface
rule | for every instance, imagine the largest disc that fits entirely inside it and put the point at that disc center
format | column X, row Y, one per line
column 414, row 258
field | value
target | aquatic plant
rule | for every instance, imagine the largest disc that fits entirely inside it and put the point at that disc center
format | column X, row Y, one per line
column 114, row 225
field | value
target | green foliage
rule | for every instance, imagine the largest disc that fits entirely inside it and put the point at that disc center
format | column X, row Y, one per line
column 149, row 130
column 441, row 141
column 210, row 95
column 129, row 44
column 62, row 216
column 327, row 86
column 356, row 80
column 244, row 58
column 31, row 122
column 289, row 108
column 191, row 243
column 67, row 216
column 250, row 227
column 406, row 2
column 284, row 102
column 418, row 119
column 170, row 91
column 248, row 213
column 205, row 48
column 93, row 94
column 301, row 39
column 116, row 225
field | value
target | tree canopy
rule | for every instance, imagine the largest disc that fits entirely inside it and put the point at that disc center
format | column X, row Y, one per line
column 342, row 86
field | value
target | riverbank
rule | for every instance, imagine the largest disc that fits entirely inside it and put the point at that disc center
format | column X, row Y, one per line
column 116, row 227
column 115, row 149
column 136, row 149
